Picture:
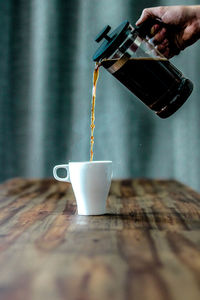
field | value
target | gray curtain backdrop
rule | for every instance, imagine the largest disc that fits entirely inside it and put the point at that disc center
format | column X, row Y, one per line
column 46, row 68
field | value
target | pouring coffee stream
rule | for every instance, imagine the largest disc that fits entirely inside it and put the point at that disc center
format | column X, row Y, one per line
column 92, row 126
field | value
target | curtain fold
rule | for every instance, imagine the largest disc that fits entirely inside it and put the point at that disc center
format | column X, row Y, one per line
column 46, row 67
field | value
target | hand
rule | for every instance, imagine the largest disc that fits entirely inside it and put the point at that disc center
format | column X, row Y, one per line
column 180, row 29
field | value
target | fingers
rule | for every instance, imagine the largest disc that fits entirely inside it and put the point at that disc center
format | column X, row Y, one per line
column 160, row 36
column 161, row 47
column 168, row 48
column 160, row 40
column 164, row 50
column 164, row 42
column 154, row 29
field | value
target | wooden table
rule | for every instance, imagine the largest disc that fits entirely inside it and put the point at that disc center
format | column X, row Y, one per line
column 146, row 247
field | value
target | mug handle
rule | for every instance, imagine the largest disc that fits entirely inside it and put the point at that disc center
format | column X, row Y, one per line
column 65, row 179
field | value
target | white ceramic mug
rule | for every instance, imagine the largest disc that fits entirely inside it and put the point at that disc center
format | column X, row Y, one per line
column 90, row 182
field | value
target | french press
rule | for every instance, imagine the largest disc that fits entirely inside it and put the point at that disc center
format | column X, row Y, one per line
column 128, row 54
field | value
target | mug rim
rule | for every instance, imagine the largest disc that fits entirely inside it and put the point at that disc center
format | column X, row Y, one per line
column 91, row 162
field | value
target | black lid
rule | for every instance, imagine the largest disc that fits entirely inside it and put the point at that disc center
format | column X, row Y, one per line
column 111, row 42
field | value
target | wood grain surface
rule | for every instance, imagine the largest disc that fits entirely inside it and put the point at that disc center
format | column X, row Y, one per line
column 147, row 246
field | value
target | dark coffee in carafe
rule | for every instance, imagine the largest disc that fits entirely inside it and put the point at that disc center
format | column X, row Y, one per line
column 149, row 79
column 132, row 60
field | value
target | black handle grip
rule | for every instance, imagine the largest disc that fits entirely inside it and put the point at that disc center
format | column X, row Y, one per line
column 145, row 27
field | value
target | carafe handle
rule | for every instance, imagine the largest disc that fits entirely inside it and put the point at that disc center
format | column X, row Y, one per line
column 145, row 28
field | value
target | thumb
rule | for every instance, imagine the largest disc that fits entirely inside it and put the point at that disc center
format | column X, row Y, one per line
column 152, row 12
